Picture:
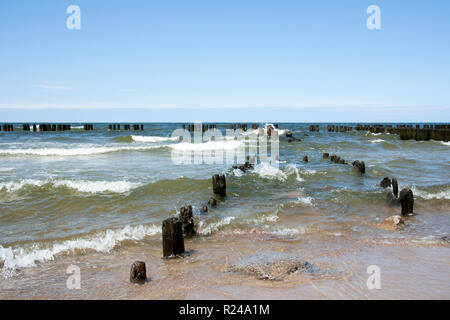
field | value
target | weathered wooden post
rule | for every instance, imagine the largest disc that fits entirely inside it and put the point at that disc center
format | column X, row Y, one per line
column 187, row 220
column 219, row 184
column 407, row 201
column 172, row 237
column 138, row 272
column 305, row 159
column 360, row 166
column 395, row 187
column 386, row 182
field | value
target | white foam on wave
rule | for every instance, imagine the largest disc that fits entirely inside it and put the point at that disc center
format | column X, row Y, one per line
column 79, row 185
column 79, row 151
column 444, row 194
column 265, row 218
column 293, row 167
column 446, row 143
column 376, row 140
column 24, row 257
column 265, row 170
column 153, row 138
column 284, row 231
column 305, row 200
column 309, row 172
column 210, row 145
column 208, row 228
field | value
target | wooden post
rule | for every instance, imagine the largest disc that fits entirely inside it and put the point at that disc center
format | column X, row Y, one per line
column 360, row 166
column 407, row 201
column 219, row 184
column 386, row 182
column 395, row 187
column 305, row 159
column 138, row 273
column 172, row 237
column 187, row 219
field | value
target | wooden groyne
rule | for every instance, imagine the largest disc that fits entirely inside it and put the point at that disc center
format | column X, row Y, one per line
column 426, row 132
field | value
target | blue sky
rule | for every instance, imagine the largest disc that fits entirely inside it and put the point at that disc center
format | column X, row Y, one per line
column 211, row 60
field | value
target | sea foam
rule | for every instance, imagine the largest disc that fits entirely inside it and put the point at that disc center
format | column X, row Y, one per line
column 61, row 152
column 79, row 185
column 153, row 138
column 23, row 257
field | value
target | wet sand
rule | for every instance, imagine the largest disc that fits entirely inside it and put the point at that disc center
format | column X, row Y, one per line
column 407, row 271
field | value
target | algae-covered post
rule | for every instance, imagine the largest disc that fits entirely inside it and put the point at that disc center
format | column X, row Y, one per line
column 187, row 219
column 172, row 237
column 219, row 184
column 138, row 272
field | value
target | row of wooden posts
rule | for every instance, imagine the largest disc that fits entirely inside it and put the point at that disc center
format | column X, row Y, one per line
column 196, row 127
column 65, row 127
column 175, row 229
column 213, row 126
column 126, row 127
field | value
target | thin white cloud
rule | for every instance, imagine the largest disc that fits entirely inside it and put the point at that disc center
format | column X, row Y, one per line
column 52, row 86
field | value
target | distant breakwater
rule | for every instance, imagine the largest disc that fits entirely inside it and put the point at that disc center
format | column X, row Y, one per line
column 418, row 132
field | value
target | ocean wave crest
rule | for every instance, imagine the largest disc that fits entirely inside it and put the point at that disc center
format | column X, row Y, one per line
column 24, row 257
column 153, row 138
column 79, row 185
column 79, row 151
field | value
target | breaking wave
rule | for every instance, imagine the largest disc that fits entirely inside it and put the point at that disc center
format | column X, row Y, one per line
column 105, row 241
column 61, row 152
column 79, row 185
column 153, row 138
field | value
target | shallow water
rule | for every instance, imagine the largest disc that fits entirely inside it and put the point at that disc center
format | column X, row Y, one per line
column 98, row 198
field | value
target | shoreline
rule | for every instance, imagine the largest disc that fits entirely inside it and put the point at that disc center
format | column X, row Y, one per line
column 407, row 271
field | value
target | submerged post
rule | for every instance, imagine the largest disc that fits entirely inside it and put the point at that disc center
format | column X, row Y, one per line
column 172, row 237
column 219, row 184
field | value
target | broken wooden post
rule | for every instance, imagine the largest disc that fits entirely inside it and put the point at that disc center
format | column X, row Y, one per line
column 172, row 237
column 386, row 182
column 138, row 273
column 219, row 184
column 360, row 166
column 407, row 201
column 187, row 220
column 395, row 187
